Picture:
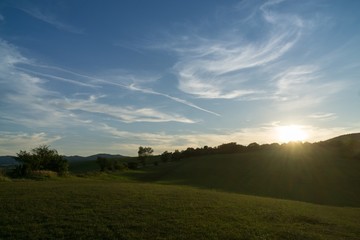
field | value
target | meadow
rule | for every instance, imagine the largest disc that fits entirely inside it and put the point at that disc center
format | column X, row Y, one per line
column 299, row 193
column 110, row 208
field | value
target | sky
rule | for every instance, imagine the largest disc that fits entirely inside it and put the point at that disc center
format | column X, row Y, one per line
column 89, row 77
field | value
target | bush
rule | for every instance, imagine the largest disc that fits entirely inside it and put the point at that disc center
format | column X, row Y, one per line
column 42, row 174
column 119, row 166
column 39, row 159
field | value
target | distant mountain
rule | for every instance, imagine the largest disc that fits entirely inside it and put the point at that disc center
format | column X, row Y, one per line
column 7, row 160
column 93, row 157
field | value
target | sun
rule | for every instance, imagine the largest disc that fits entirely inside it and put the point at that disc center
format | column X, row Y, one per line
column 291, row 133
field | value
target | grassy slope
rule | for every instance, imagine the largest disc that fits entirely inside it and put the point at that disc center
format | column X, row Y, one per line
column 111, row 206
column 110, row 209
column 313, row 175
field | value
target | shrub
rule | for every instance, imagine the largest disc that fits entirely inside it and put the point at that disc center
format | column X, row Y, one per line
column 40, row 158
column 42, row 174
column 119, row 166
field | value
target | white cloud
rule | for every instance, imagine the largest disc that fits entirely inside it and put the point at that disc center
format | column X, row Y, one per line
column 67, row 80
column 131, row 83
column 295, row 78
column 125, row 113
column 30, row 103
column 303, row 86
column 179, row 100
column 323, row 116
column 219, row 68
column 10, row 142
column 2, row 18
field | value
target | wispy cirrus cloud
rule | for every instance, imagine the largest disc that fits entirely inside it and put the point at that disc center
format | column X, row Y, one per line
column 63, row 79
column 12, row 140
column 28, row 101
column 50, row 19
column 303, row 86
column 294, row 78
column 128, row 81
column 221, row 67
column 126, row 114
column 321, row 116
column 179, row 100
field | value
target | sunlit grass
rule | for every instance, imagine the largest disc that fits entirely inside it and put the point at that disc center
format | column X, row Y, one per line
column 73, row 208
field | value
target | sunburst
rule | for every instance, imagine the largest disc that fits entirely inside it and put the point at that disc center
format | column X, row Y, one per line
column 290, row 133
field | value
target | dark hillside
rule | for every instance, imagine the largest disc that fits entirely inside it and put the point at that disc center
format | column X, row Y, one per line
column 93, row 157
column 346, row 145
column 311, row 173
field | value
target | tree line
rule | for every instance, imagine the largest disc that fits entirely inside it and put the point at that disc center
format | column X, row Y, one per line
column 43, row 158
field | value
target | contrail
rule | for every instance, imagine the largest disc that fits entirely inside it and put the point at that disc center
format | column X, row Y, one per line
column 133, row 88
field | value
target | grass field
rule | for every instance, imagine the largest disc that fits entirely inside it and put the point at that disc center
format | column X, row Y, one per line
column 75, row 208
column 209, row 197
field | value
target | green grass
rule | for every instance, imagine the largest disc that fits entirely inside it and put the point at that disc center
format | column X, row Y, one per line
column 75, row 208
column 198, row 198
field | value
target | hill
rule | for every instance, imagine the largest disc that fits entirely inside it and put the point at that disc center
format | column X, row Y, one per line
column 347, row 145
column 93, row 157
column 7, row 160
column 75, row 208
column 346, row 138
column 310, row 173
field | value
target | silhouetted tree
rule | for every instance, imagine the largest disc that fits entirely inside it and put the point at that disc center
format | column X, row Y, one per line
column 165, row 156
column 40, row 158
column 253, row 146
column 176, row 155
column 104, row 163
column 144, row 153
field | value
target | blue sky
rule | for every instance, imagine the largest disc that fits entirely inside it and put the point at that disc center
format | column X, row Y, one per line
column 108, row 76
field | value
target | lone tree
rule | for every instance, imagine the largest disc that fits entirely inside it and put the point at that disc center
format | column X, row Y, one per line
column 40, row 158
column 144, row 153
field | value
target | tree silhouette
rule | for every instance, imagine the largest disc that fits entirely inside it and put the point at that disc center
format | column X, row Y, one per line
column 144, row 153
column 40, row 158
